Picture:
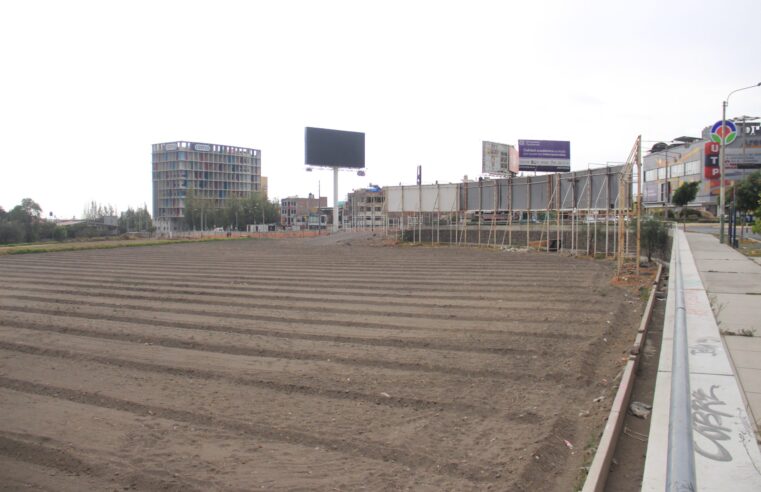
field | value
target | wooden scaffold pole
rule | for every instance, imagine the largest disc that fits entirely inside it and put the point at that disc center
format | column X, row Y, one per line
column 624, row 191
column 492, row 229
column 528, row 211
column 639, row 198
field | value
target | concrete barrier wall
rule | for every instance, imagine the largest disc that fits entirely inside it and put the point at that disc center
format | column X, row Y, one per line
column 592, row 189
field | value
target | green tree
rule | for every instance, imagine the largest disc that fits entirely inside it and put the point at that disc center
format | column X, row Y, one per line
column 746, row 192
column 60, row 233
column 24, row 223
column 272, row 212
column 757, row 215
column 686, row 193
column 135, row 220
column 96, row 211
column 11, row 232
column 233, row 213
column 195, row 210
column 27, row 217
column 258, row 210
column 213, row 217
column 236, row 212
column 45, row 229
column 31, row 207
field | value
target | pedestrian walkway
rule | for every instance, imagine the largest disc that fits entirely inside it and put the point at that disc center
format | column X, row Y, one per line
column 733, row 284
column 722, row 306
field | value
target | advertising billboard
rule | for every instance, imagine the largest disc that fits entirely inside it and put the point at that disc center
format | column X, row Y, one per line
column 334, row 148
column 742, row 159
column 544, row 155
column 497, row 158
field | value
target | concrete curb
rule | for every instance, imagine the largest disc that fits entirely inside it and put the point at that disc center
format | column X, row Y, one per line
column 598, row 470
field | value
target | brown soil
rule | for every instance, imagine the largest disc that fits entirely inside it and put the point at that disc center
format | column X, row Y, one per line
column 331, row 363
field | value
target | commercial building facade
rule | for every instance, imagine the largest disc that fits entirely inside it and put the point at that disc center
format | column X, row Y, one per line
column 688, row 159
column 214, row 172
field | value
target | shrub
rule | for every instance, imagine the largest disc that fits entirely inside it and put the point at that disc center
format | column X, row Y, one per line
column 11, row 232
column 60, row 233
column 654, row 237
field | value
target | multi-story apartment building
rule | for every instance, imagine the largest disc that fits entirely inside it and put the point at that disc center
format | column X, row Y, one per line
column 295, row 211
column 365, row 208
column 214, row 172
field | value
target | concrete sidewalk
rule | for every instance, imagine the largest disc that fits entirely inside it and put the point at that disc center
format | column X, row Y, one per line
column 733, row 284
column 718, row 286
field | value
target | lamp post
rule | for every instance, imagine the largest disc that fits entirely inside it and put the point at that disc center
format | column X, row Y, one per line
column 724, row 105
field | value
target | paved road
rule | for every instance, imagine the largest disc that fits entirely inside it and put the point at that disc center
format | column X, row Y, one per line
column 714, row 229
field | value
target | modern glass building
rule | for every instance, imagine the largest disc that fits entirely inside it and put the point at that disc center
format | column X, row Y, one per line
column 214, row 172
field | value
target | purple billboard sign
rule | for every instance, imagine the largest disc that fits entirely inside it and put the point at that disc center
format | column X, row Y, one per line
column 544, row 155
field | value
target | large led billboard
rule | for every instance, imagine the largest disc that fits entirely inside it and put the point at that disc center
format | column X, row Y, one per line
column 544, row 155
column 334, row 148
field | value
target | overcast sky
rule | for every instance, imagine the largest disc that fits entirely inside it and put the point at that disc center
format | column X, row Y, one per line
column 87, row 87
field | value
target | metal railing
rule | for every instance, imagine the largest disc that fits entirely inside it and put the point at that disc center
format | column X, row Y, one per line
column 681, row 457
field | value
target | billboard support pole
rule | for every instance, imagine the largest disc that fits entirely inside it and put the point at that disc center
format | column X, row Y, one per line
column 510, row 216
column 559, row 203
column 335, row 199
column 589, row 207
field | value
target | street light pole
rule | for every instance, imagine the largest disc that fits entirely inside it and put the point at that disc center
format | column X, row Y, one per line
column 723, row 129
column 721, row 168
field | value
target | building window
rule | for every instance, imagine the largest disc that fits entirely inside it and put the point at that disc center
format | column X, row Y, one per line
column 692, row 167
column 662, row 172
column 651, row 175
column 665, row 192
column 677, row 170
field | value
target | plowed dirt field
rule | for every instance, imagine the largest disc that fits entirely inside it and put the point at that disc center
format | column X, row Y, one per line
column 304, row 364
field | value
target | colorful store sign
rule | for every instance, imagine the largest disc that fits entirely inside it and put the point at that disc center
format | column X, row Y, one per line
column 728, row 131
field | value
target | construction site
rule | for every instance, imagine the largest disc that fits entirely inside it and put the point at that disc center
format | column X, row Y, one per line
column 595, row 212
